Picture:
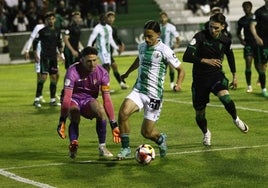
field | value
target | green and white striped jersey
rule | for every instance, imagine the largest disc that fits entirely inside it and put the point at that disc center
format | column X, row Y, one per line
column 153, row 63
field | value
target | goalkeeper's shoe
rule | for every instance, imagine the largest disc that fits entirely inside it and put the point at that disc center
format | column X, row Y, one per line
column 163, row 146
column 104, row 152
column 207, row 138
column 241, row 125
column 73, row 148
column 124, row 153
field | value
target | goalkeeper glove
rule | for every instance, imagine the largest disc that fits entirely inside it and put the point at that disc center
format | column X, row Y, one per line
column 115, row 131
column 61, row 127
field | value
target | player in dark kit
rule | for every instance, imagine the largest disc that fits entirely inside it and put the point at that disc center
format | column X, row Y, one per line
column 71, row 39
column 247, row 41
column 51, row 44
column 206, row 51
column 259, row 29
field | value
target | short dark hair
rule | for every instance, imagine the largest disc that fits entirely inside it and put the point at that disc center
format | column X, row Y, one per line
column 49, row 14
column 247, row 3
column 152, row 25
column 89, row 51
column 218, row 17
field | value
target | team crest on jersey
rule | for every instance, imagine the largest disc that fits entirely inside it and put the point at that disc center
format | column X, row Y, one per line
column 95, row 81
column 67, row 82
column 193, row 41
column 157, row 55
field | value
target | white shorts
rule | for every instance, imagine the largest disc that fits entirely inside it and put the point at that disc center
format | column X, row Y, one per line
column 105, row 58
column 152, row 107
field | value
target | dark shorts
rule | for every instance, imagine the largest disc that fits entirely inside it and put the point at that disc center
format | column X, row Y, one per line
column 69, row 58
column 48, row 66
column 261, row 54
column 201, row 89
column 248, row 51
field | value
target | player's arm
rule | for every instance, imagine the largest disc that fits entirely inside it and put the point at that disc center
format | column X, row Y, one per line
column 133, row 67
column 190, row 54
column 92, row 37
column 109, row 109
column 181, row 76
column 177, row 38
column 66, row 41
column 28, row 46
column 231, row 61
column 35, row 43
column 238, row 33
column 113, row 44
column 66, row 96
column 253, row 30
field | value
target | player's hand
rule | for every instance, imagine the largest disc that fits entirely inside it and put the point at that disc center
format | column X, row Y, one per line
column 61, row 128
column 27, row 56
column 233, row 85
column 176, row 88
column 115, row 132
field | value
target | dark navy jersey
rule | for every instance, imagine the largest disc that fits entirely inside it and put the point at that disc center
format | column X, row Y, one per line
column 203, row 45
column 50, row 40
column 244, row 23
column 261, row 17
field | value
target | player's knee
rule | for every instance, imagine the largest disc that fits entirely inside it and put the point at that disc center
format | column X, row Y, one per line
column 225, row 99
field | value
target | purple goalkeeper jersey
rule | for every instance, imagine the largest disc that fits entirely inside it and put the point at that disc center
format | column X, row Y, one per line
column 85, row 85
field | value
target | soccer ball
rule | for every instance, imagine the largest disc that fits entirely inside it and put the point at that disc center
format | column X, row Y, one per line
column 144, row 154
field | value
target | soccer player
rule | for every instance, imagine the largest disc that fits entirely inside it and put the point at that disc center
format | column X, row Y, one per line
column 83, row 81
column 152, row 61
column 102, row 33
column 51, row 43
column 33, row 35
column 110, row 20
column 247, row 41
column 259, row 29
column 168, row 35
column 206, row 51
column 71, row 39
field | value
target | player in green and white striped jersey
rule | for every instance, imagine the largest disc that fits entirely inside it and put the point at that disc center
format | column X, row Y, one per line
column 152, row 62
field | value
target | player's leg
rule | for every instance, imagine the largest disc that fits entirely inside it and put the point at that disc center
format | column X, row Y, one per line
column 39, row 89
column 248, row 61
column 74, row 129
column 117, row 76
column 200, row 97
column 93, row 109
column 261, row 64
column 127, row 108
column 171, row 76
column 54, row 77
column 152, row 109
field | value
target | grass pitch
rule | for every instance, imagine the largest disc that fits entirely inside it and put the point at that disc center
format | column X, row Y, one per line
column 33, row 155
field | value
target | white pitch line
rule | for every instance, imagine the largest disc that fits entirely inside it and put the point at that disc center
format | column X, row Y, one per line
column 217, row 149
column 218, row 106
column 13, row 176
column 23, row 180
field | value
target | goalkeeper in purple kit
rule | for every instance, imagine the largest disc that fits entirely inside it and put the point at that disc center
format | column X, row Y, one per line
column 83, row 81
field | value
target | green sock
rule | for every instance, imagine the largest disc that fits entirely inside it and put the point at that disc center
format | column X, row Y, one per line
column 125, row 140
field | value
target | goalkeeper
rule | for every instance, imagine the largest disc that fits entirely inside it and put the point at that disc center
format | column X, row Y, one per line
column 82, row 83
